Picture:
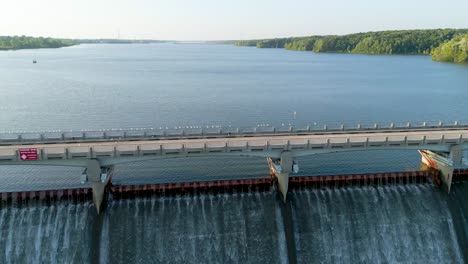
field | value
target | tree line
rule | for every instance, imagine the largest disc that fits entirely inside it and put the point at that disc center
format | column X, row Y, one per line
column 381, row 42
column 455, row 50
column 24, row 42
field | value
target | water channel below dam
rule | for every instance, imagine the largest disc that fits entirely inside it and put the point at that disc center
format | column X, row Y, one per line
column 415, row 223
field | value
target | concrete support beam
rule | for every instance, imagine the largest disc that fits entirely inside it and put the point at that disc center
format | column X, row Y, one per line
column 286, row 162
column 446, row 173
column 281, row 168
column 93, row 169
column 283, row 183
column 456, row 154
column 98, row 182
column 444, row 162
column 98, row 194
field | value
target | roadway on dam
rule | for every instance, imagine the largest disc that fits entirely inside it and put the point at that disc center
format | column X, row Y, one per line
column 410, row 135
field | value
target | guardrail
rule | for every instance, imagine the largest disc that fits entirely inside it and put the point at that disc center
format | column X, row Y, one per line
column 218, row 132
column 251, row 146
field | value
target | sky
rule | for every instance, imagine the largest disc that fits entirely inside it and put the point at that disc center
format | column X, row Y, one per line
column 222, row 19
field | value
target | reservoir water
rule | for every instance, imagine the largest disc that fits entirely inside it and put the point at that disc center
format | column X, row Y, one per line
column 125, row 86
column 180, row 85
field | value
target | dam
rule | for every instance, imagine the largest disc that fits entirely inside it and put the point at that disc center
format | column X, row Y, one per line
column 441, row 148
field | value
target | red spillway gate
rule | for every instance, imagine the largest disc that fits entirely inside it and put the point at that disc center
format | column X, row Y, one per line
column 229, row 186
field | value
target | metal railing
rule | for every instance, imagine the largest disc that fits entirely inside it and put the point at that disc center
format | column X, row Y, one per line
column 244, row 146
column 106, row 135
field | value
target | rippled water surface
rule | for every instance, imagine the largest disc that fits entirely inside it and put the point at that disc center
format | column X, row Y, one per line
column 125, row 86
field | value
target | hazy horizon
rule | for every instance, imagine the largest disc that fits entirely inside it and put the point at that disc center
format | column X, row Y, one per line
column 210, row 20
column 213, row 40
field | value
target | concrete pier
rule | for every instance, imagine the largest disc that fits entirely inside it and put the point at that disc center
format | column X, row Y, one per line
column 281, row 169
column 98, row 177
column 286, row 162
column 98, row 194
column 445, row 162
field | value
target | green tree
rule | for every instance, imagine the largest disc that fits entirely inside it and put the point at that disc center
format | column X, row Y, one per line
column 455, row 50
column 380, row 42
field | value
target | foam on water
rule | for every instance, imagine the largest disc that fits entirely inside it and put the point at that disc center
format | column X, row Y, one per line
column 45, row 234
column 390, row 224
column 228, row 228
column 238, row 228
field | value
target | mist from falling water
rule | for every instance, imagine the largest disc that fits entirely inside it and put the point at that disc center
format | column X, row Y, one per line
column 226, row 228
column 45, row 234
column 385, row 224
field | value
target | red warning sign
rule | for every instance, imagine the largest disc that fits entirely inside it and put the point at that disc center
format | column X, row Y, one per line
column 28, row 153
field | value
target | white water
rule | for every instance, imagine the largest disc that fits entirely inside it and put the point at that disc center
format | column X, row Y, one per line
column 397, row 224
column 390, row 224
column 236, row 228
column 45, row 234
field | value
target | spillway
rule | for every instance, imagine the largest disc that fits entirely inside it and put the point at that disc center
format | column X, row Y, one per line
column 225, row 228
column 392, row 223
column 388, row 224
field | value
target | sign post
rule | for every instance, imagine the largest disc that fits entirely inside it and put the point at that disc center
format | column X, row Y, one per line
column 28, row 153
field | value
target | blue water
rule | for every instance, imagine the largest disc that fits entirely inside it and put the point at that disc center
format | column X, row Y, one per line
column 159, row 85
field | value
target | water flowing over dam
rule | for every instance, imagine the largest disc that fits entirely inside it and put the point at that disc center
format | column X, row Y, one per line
column 227, row 228
column 372, row 225
column 399, row 223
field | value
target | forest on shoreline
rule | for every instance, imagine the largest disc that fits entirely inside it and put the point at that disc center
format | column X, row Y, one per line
column 443, row 44
column 450, row 45
column 25, row 42
column 456, row 50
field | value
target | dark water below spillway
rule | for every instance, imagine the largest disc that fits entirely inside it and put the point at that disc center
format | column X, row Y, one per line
column 388, row 224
